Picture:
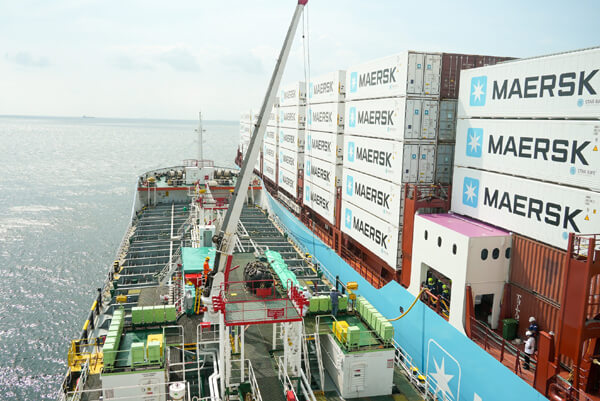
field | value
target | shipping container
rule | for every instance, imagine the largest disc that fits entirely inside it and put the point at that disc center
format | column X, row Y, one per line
column 381, row 198
column 246, row 117
column 327, row 88
column 326, row 117
column 393, row 118
column 325, row 146
column 558, row 151
column 445, row 163
column 546, row 212
column 407, row 73
column 270, row 152
column 293, row 94
column 563, row 85
column 271, row 135
column 453, row 63
column 270, row 170
column 288, row 181
column 447, row 123
column 245, row 129
column 273, row 120
column 379, row 237
column 320, row 201
column 292, row 117
column 538, row 268
column 524, row 304
column 326, row 175
column 291, row 160
column 292, row 139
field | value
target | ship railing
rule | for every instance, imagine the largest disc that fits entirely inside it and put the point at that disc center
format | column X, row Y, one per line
column 404, row 362
column 156, row 391
column 291, row 384
column 503, row 350
column 198, row 163
column 236, row 367
column 436, row 303
column 560, row 388
column 362, row 268
column 582, row 244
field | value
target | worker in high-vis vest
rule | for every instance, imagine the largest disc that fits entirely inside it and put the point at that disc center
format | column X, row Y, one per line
column 206, row 268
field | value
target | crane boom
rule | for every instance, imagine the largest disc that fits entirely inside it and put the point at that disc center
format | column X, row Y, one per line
column 226, row 238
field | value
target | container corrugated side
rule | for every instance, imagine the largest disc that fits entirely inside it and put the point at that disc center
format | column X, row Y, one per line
column 292, row 94
column 326, row 175
column 537, row 267
column 381, row 198
column 292, row 117
column 373, row 233
column 393, row 118
column 320, row 201
column 327, row 117
column 270, row 170
column 273, row 120
column 445, row 163
column 536, row 209
column 291, row 160
column 245, row 129
column 406, row 73
column 246, row 117
column 453, row 63
column 563, row 152
column 447, row 123
column 291, row 138
column 326, row 88
column 271, row 135
column 325, row 146
column 565, row 85
column 524, row 304
column 270, row 152
column 288, row 180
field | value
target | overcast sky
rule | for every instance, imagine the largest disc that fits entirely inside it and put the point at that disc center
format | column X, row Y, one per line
column 170, row 59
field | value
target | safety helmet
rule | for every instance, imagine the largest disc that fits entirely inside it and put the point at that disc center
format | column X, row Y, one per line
column 444, row 286
column 531, row 319
column 528, row 333
column 430, row 280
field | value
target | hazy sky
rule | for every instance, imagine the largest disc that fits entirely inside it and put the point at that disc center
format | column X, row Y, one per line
column 170, row 59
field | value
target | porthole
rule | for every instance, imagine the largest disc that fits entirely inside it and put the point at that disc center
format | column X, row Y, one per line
column 426, row 235
column 507, row 253
column 454, row 248
column 484, row 254
column 495, row 253
column 439, row 242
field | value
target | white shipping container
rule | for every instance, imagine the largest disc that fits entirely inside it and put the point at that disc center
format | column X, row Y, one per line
column 269, row 170
column 397, row 162
column 245, row 129
column 394, row 118
column 271, row 135
column 246, row 117
column 273, row 120
column 292, row 117
column 326, row 88
column 379, row 197
column 291, row 160
column 326, row 175
column 290, row 138
column 563, row 152
column 327, row 117
column 324, row 146
column 293, row 94
column 379, row 237
column 270, row 152
column 545, row 212
column 565, row 85
column 320, row 201
column 288, row 181
column 407, row 73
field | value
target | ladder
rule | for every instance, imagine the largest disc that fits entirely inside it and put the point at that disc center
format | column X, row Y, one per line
column 318, row 351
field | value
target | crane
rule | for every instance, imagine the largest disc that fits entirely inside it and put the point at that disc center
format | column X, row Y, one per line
column 225, row 239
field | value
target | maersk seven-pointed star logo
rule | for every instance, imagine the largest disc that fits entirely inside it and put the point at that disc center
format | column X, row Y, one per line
column 309, row 142
column 478, row 91
column 474, row 142
column 353, row 82
column 309, row 116
column 444, row 373
column 352, row 117
column 470, row 191
column 307, row 170
column 348, row 218
column 349, row 185
column 307, row 193
column 351, row 150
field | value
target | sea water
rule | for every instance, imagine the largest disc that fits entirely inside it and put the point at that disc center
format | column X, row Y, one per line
column 66, row 192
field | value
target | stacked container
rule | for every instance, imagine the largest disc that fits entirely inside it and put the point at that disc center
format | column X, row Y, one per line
column 390, row 138
column 324, row 143
column 527, row 146
column 245, row 130
column 291, row 129
column 270, row 148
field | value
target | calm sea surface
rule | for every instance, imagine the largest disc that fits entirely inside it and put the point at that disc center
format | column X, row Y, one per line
column 66, row 191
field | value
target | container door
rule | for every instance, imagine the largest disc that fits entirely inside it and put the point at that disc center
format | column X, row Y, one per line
column 412, row 121
column 415, row 74
column 447, row 125
column 410, row 163
column 426, row 163
column 432, row 72
column 429, row 119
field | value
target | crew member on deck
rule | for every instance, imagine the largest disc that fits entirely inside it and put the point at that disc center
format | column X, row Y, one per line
column 334, row 301
column 206, row 268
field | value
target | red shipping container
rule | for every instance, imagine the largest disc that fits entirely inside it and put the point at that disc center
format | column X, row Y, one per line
column 524, row 304
column 453, row 63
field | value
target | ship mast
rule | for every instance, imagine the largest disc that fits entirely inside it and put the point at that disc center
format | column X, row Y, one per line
column 200, row 131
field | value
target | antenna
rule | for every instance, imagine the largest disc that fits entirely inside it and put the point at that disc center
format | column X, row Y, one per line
column 200, row 131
